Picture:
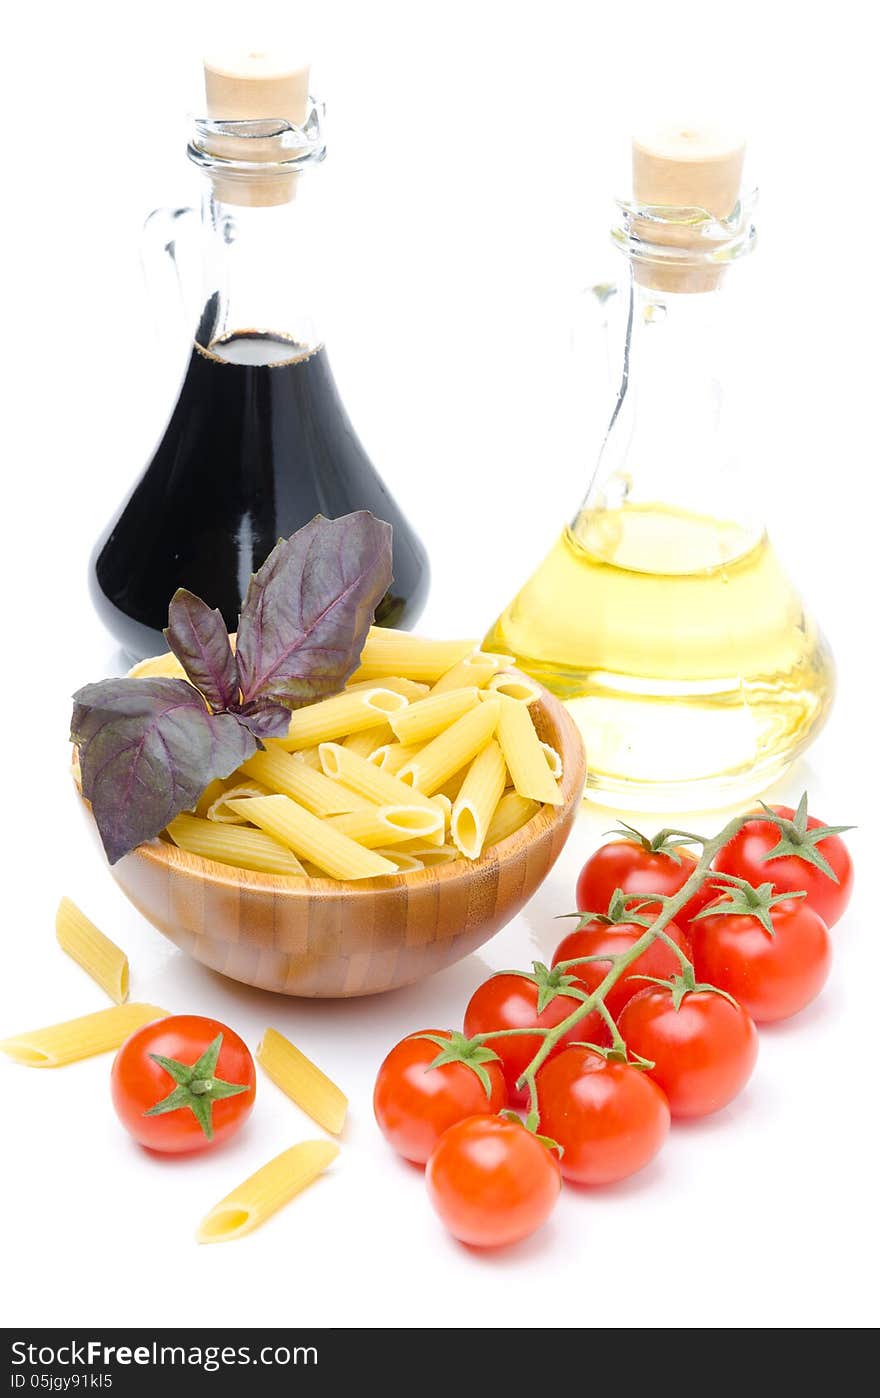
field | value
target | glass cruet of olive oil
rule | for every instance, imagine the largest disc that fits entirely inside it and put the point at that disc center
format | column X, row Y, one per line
column 259, row 441
column 662, row 615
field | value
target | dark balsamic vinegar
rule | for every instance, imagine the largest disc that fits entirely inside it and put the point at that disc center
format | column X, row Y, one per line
column 258, row 444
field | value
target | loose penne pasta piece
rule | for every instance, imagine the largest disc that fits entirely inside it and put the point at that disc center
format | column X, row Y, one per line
column 554, row 761
column 368, row 780
column 302, row 1080
column 518, row 687
column 310, row 756
column 426, row 718
column 476, row 669
column 75, row 1039
column 345, row 713
column 410, row 689
column 521, row 747
column 316, row 840
column 158, row 667
column 450, row 751
column 476, row 802
column 511, row 812
column 388, row 825
column 365, row 743
column 392, row 756
column 238, row 845
column 405, row 862
column 223, row 814
column 265, row 1192
column 391, row 653
column 105, row 962
column 429, row 855
column 212, row 794
column 281, row 773
column 452, row 786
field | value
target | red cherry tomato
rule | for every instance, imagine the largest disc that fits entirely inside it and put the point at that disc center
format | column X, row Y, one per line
column 214, row 1100
column 637, row 870
column 771, row 976
column 510, row 1001
column 745, row 854
column 703, row 1052
column 610, row 1118
column 415, row 1103
column 659, row 959
column 491, row 1181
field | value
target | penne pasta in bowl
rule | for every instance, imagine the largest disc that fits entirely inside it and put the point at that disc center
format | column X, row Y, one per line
column 394, row 827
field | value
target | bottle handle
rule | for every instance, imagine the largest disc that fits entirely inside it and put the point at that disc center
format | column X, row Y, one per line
column 169, row 264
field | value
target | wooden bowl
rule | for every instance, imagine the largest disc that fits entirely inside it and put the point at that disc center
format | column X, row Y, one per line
column 324, row 938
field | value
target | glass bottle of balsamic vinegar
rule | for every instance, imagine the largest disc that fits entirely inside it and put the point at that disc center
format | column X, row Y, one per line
column 662, row 615
column 259, row 441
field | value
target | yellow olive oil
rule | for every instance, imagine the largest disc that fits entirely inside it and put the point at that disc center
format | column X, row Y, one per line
column 682, row 650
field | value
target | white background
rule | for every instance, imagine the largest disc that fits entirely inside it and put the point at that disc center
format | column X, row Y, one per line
column 474, row 151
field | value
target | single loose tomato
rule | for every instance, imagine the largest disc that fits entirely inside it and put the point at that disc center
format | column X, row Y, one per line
column 510, row 1001
column 804, row 845
column 639, row 866
column 772, row 975
column 609, row 1117
column 414, row 1103
column 703, row 1046
column 491, row 1181
column 614, row 939
column 183, row 1083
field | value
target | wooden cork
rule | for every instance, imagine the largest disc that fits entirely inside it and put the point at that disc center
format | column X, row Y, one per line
column 685, row 166
column 252, row 86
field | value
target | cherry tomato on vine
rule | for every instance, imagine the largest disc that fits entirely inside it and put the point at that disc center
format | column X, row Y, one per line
column 510, row 1001
column 703, row 1046
column 609, row 1117
column 771, row 974
column 491, row 1181
column 639, row 866
column 414, row 1103
column 803, row 850
column 658, row 960
column 183, row 1083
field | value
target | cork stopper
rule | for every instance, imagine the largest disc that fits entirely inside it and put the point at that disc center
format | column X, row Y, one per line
column 685, row 165
column 251, row 86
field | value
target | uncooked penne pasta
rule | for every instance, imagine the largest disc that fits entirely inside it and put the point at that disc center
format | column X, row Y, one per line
column 75, row 1039
column 476, row 802
column 281, row 773
column 410, row 689
column 302, row 1080
column 265, row 1192
column 392, row 653
column 223, row 814
column 389, row 825
column 105, row 962
column 449, row 751
column 476, row 669
column 518, row 687
column 316, row 840
column 364, row 744
column 404, row 861
column 521, row 747
column 452, row 786
column 392, row 756
column 237, row 845
column 554, row 761
column 310, row 756
column 420, row 722
column 429, row 855
column 368, row 780
column 345, row 713
column 511, row 812
column 212, row 793
column 158, row 667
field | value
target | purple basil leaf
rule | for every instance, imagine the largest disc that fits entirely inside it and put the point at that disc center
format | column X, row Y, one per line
column 147, row 750
column 307, row 611
column 197, row 635
column 264, row 718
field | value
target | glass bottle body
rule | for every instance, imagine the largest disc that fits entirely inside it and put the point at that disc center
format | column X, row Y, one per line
column 662, row 616
column 257, row 444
